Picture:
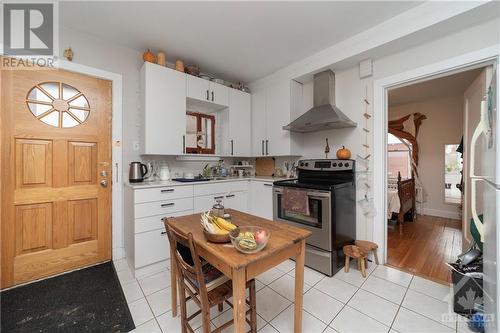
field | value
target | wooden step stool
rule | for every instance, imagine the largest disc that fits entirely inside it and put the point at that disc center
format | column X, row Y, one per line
column 355, row 252
column 368, row 247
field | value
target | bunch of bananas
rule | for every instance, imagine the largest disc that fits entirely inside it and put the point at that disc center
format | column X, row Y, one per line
column 216, row 225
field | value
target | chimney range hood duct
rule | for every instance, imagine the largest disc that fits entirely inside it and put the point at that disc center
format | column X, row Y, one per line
column 324, row 114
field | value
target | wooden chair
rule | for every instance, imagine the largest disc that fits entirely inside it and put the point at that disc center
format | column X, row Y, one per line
column 354, row 252
column 204, row 285
column 368, row 247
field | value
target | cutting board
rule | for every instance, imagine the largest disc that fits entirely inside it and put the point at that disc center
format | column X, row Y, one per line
column 264, row 166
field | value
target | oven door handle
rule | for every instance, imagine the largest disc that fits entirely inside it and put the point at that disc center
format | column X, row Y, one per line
column 312, row 195
column 318, row 196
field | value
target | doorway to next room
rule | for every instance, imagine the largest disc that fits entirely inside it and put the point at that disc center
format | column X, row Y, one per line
column 429, row 130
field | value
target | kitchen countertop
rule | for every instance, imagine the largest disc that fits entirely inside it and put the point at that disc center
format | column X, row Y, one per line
column 174, row 183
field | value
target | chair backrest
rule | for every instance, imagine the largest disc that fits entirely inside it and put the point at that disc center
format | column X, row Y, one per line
column 189, row 274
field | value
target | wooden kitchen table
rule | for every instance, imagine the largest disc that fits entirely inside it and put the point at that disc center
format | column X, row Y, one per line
column 285, row 242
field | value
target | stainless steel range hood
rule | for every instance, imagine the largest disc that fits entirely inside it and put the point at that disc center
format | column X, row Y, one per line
column 324, row 114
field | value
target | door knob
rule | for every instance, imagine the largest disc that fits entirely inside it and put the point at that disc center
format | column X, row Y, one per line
column 104, row 183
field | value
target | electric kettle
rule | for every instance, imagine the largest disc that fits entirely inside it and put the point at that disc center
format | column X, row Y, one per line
column 137, row 172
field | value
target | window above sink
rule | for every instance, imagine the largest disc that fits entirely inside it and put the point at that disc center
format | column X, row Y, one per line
column 200, row 133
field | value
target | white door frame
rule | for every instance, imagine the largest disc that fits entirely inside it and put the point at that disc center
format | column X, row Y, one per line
column 116, row 144
column 380, row 88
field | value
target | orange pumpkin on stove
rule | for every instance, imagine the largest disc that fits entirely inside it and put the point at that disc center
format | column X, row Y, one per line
column 149, row 56
column 343, row 153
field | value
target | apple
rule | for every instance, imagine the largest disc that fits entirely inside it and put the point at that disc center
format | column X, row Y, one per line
column 260, row 236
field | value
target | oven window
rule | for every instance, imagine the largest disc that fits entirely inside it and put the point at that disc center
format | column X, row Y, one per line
column 314, row 219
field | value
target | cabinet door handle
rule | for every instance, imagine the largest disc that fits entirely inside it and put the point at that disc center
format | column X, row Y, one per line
column 163, row 232
column 167, row 190
column 267, row 147
column 208, row 98
column 232, row 147
column 116, row 174
column 212, row 95
column 170, row 204
column 230, row 196
column 219, row 197
column 270, row 185
column 183, row 144
column 262, row 147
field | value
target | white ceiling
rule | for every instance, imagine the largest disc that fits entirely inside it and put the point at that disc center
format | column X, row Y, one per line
column 450, row 85
column 238, row 41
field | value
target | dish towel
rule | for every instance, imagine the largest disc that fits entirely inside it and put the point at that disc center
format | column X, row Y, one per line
column 295, row 201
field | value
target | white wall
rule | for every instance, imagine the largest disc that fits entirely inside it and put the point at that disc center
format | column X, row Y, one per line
column 444, row 125
column 94, row 52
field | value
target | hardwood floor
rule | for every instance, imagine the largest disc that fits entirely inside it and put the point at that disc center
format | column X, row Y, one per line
column 425, row 246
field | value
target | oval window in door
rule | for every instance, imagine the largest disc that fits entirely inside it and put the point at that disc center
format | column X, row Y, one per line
column 58, row 104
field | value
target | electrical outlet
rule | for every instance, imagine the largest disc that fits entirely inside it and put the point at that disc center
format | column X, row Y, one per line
column 136, row 146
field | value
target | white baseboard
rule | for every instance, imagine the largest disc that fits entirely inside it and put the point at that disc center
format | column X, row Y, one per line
column 441, row 213
column 118, row 253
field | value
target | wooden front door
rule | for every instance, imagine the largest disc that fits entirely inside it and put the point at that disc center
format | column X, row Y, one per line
column 55, row 173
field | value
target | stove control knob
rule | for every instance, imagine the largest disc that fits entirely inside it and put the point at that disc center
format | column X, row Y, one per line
column 302, row 164
column 307, row 164
column 346, row 164
column 334, row 164
column 340, row 164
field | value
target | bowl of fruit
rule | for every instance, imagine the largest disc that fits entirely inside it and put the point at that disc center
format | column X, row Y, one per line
column 216, row 229
column 249, row 239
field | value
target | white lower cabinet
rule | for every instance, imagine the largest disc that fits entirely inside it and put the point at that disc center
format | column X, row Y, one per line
column 237, row 200
column 163, row 207
column 146, row 242
column 150, row 247
column 232, row 195
column 261, row 199
column 206, row 202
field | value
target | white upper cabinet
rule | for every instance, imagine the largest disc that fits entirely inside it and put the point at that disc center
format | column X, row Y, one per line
column 219, row 94
column 239, row 123
column 197, row 88
column 207, row 91
column 271, row 109
column 164, row 106
column 277, row 116
column 258, row 123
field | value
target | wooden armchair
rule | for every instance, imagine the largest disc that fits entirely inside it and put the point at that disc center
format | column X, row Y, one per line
column 203, row 284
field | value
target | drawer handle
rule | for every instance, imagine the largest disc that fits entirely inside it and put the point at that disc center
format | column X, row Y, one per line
column 167, row 190
column 230, row 196
column 163, row 232
column 270, row 185
column 219, row 197
column 168, row 204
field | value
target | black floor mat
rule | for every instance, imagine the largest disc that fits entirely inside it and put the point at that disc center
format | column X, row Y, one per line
column 88, row 300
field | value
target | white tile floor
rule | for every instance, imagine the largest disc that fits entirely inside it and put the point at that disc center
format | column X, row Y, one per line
column 387, row 300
